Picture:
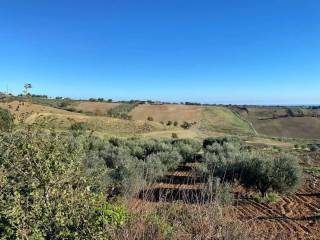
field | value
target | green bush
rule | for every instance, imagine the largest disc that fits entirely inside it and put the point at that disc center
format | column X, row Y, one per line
column 79, row 126
column 313, row 147
column 46, row 191
column 6, row 120
column 150, row 118
column 174, row 135
column 122, row 110
column 254, row 170
column 175, row 123
column 219, row 140
column 186, row 125
column 64, row 103
column 188, row 148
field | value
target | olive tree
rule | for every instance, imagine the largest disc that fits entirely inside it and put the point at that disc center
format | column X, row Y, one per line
column 279, row 174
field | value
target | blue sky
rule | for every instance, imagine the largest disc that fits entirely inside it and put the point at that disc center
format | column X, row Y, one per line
column 230, row 51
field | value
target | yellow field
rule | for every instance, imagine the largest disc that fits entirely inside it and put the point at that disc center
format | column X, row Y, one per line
column 96, row 108
column 167, row 112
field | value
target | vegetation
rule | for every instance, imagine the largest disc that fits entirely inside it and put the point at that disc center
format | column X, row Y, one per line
column 71, row 184
column 47, row 192
column 313, row 170
column 79, row 126
column 186, row 125
column 6, row 120
column 221, row 119
column 227, row 160
column 174, row 135
column 122, row 110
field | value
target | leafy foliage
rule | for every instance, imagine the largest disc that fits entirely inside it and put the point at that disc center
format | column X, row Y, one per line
column 79, row 126
column 228, row 161
column 46, row 191
column 6, row 120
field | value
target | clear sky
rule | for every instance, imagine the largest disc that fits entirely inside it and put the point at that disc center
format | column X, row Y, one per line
column 219, row 51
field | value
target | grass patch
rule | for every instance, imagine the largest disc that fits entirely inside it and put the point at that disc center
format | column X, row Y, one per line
column 271, row 197
column 221, row 119
column 313, row 171
column 101, row 125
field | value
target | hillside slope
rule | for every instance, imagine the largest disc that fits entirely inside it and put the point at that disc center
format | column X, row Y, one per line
column 223, row 120
column 29, row 113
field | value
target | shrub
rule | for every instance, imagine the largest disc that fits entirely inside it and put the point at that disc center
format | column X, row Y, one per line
column 254, row 170
column 174, row 135
column 219, row 140
column 6, row 120
column 188, row 148
column 175, row 123
column 122, row 110
column 314, row 148
column 79, row 126
column 281, row 174
column 169, row 123
column 64, row 103
column 186, row 125
column 150, row 118
column 55, row 200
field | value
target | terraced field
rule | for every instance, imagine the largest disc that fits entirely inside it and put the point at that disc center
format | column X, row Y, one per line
column 295, row 216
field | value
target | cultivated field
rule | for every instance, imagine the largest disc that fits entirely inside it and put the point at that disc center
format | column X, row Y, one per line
column 97, row 108
column 299, row 127
column 294, row 216
column 274, row 122
column 167, row 112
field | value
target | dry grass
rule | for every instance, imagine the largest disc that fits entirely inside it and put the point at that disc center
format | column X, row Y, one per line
column 97, row 108
column 167, row 112
column 269, row 142
column 24, row 110
column 190, row 133
column 176, row 220
column 103, row 126
column 29, row 113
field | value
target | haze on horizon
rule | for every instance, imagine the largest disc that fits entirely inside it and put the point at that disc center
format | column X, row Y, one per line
column 242, row 52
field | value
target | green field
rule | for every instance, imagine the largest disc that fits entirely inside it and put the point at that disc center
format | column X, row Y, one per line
column 221, row 119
